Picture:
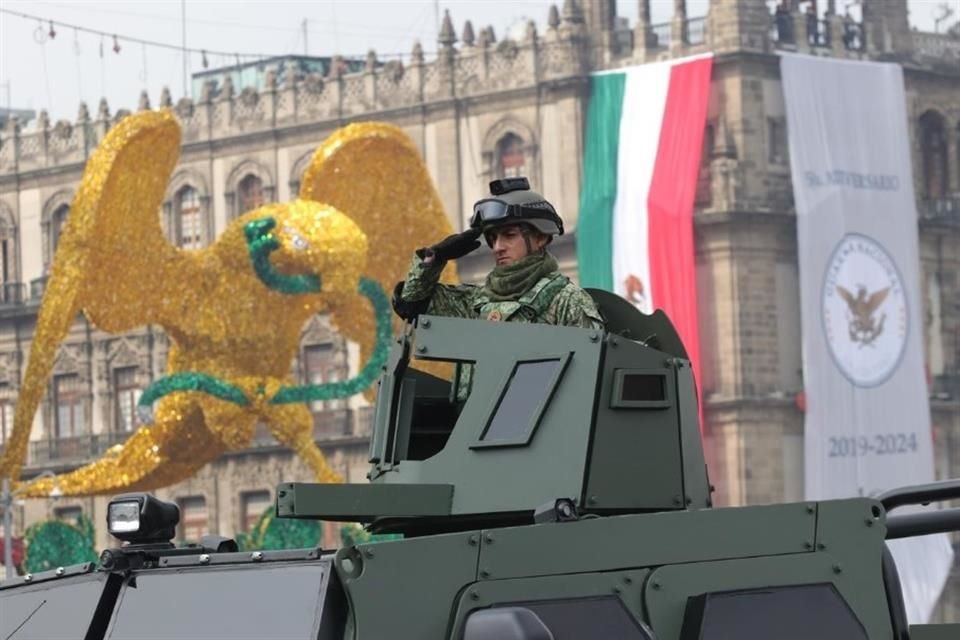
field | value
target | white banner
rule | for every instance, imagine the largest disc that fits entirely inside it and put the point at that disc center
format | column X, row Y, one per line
column 867, row 425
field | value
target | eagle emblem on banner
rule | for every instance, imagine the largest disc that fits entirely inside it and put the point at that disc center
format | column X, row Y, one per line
column 864, row 304
column 864, row 327
column 635, row 292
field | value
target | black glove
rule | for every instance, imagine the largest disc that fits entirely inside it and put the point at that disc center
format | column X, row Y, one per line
column 452, row 247
column 406, row 309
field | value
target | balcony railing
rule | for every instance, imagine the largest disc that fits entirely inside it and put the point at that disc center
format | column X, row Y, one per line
column 936, row 46
column 946, row 386
column 331, row 423
column 37, row 287
column 781, row 29
column 818, row 33
column 661, row 34
column 786, row 29
column 363, row 420
column 853, row 36
column 12, row 293
column 328, row 424
column 946, row 209
column 76, row 449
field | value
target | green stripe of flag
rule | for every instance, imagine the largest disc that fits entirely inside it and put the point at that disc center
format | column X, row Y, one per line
column 599, row 189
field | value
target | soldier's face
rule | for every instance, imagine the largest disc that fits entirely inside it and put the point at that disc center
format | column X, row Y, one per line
column 509, row 244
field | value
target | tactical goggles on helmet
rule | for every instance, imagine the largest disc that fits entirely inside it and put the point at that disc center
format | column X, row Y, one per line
column 496, row 212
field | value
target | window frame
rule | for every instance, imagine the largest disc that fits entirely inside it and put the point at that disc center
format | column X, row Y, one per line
column 58, row 220
column 533, row 424
column 196, row 214
column 506, row 145
column 616, row 394
column 248, row 522
column 332, row 372
column 8, row 406
column 69, row 514
column 184, row 524
column 77, row 396
column 245, row 198
column 133, row 389
column 933, row 140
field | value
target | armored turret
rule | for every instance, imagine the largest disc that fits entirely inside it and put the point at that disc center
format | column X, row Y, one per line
column 534, row 416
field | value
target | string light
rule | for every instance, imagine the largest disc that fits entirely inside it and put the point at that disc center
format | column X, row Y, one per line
column 53, row 32
column 41, row 35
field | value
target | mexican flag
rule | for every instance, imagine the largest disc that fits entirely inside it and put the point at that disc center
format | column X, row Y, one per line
column 642, row 156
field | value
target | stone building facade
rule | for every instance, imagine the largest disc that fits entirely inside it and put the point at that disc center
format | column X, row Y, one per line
column 485, row 108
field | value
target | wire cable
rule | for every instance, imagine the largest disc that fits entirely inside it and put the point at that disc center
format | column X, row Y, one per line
column 167, row 45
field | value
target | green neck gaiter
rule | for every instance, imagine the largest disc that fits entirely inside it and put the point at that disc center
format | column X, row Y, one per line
column 512, row 281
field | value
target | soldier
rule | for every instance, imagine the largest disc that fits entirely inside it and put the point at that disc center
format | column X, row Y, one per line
column 524, row 286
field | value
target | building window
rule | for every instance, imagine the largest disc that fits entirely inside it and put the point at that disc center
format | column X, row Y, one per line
column 933, row 152
column 6, row 414
column 319, row 368
column 70, row 515
column 8, row 235
column 59, row 219
column 250, row 193
column 957, row 159
column 190, row 218
column 511, row 159
column 776, row 141
column 253, row 504
column 69, row 419
column 6, row 261
column 127, row 394
column 193, row 518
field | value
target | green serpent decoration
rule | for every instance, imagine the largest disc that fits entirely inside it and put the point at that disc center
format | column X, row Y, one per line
column 261, row 243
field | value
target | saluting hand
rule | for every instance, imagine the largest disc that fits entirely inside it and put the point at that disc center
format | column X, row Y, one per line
column 452, row 247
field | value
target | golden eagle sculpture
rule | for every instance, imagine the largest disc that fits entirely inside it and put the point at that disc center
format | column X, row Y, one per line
column 234, row 311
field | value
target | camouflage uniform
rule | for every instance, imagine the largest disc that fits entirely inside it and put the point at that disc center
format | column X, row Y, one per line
column 553, row 299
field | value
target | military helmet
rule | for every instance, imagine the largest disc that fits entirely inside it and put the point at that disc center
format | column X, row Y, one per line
column 513, row 202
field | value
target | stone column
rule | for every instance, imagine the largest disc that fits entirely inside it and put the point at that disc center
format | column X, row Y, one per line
column 335, row 83
column 678, row 31
column 288, row 87
column 370, row 80
column 86, row 131
column 642, row 34
column 416, row 68
column 223, row 107
column 11, row 147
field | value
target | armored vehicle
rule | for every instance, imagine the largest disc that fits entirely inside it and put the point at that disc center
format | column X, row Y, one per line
column 554, row 488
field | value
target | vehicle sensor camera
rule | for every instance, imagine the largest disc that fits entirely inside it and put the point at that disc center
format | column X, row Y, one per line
column 139, row 518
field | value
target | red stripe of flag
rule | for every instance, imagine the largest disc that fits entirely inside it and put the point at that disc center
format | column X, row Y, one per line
column 670, row 204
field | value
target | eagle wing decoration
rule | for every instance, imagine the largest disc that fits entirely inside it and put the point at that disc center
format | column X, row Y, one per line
column 115, row 213
column 848, row 298
column 875, row 300
column 375, row 175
